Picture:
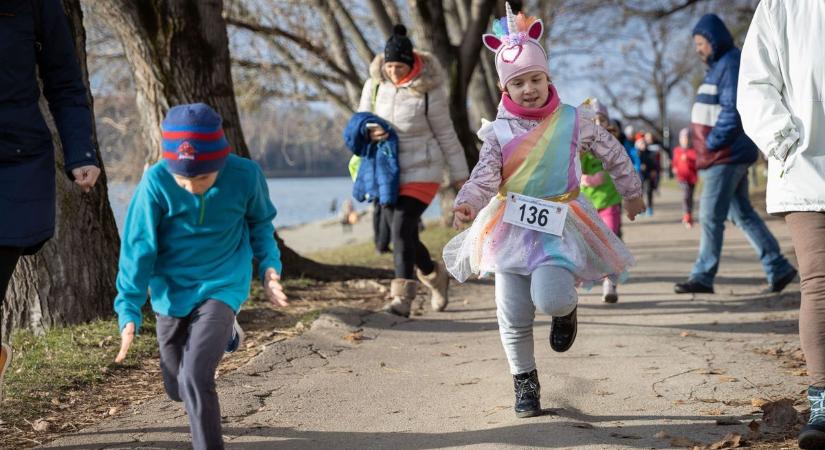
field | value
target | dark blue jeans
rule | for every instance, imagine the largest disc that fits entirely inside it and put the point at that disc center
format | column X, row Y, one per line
column 725, row 196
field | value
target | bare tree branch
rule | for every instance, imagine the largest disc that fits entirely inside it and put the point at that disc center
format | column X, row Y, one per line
column 355, row 33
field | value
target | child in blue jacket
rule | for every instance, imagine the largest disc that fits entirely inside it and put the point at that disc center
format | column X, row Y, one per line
column 193, row 226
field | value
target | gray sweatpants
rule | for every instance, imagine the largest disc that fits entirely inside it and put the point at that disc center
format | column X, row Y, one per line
column 550, row 289
column 190, row 349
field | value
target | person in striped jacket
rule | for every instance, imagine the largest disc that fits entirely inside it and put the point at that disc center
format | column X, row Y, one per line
column 723, row 154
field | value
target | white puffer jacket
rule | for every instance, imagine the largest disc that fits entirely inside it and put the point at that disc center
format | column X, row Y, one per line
column 425, row 142
column 782, row 100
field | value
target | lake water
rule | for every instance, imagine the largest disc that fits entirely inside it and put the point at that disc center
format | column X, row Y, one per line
column 298, row 200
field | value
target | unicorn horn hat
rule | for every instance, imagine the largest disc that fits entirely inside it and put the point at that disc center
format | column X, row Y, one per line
column 516, row 42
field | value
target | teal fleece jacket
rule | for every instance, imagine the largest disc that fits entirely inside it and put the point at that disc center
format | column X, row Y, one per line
column 189, row 248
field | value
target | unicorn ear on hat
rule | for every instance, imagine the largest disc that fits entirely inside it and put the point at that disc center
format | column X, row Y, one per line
column 492, row 42
column 536, row 30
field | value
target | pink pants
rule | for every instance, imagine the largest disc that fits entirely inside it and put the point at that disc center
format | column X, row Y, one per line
column 612, row 217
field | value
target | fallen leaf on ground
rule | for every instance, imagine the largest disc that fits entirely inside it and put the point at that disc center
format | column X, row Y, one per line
column 731, row 440
column 780, row 414
column 40, row 425
column 711, row 412
column 112, row 411
column 686, row 334
column 709, row 372
column 355, row 337
column 800, row 373
column 727, row 378
column 758, row 402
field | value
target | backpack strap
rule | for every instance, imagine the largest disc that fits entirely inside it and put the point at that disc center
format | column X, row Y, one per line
column 374, row 96
column 503, row 132
column 37, row 16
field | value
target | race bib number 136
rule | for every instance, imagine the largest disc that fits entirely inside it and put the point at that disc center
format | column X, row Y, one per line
column 535, row 214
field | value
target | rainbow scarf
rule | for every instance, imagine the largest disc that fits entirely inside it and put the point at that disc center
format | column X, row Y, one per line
column 542, row 162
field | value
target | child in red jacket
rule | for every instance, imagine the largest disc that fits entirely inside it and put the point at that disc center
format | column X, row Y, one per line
column 684, row 164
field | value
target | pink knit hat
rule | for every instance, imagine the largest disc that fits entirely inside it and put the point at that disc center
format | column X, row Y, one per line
column 515, row 41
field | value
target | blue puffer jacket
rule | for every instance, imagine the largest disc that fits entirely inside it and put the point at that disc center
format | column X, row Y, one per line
column 27, row 166
column 717, row 128
column 378, row 175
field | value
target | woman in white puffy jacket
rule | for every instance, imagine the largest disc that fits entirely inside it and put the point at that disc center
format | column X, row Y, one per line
column 782, row 103
column 407, row 89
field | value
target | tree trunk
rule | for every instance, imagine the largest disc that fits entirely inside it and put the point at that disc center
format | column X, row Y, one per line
column 72, row 279
column 178, row 51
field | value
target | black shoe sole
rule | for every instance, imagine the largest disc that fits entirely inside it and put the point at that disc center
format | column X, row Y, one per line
column 611, row 298
column 679, row 290
column 526, row 414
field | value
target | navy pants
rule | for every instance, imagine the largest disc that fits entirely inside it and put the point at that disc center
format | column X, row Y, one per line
column 190, row 349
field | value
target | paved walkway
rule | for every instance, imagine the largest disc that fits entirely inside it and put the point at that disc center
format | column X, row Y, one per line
column 655, row 362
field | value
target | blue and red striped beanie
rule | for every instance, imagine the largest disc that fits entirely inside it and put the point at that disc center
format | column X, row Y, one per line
column 193, row 140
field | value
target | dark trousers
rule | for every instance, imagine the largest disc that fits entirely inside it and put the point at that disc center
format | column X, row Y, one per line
column 8, row 261
column 408, row 251
column 687, row 196
column 381, row 227
column 649, row 186
column 190, row 349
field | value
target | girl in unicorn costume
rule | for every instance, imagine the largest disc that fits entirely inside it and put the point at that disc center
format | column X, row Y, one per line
column 531, row 229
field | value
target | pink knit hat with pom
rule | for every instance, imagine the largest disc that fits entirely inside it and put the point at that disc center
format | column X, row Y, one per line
column 515, row 41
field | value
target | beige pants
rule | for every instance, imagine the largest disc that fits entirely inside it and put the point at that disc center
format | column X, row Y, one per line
column 808, row 234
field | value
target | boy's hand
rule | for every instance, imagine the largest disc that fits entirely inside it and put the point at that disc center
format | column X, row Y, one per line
column 126, row 338
column 273, row 288
column 463, row 213
column 634, row 207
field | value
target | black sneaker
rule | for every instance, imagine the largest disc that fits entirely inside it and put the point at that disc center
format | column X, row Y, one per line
column 780, row 284
column 692, row 287
column 812, row 435
column 528, row 394
column 563, row 331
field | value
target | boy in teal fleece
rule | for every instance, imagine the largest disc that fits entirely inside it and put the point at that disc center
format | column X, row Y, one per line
column 195, row 222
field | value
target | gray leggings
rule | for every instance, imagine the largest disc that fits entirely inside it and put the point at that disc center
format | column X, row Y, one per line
column 190, row 349
column 550, row 289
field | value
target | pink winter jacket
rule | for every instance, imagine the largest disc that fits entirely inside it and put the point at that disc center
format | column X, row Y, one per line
column 486, row 176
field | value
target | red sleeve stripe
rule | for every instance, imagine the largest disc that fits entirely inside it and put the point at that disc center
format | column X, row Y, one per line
column 193, row 135
column 201, row 156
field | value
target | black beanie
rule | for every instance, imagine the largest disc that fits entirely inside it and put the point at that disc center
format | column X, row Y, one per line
column 399, row 48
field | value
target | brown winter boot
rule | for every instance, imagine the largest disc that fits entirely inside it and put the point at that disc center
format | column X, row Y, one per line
column 403, row 293
column 437, row 282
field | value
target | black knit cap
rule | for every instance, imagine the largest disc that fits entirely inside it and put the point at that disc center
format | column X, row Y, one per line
column 399, row 48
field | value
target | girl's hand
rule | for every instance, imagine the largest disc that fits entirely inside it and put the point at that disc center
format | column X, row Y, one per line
column 634, row 207
column 462, row 214
column 126, row 338
column 378, row 134
column 274, row 290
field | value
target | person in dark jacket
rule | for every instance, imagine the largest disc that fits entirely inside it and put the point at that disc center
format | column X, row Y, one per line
column 723, row 154
column 35, row 37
